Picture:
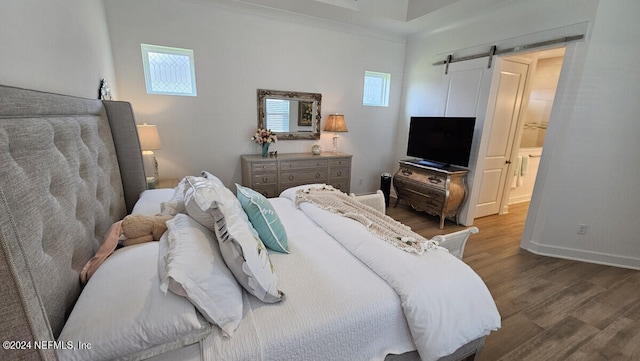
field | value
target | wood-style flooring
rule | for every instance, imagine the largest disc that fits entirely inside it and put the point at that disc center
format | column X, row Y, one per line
column 551, row 308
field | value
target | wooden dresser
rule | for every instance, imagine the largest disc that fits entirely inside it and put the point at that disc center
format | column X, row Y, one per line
column 270, row 176
column 440, row 192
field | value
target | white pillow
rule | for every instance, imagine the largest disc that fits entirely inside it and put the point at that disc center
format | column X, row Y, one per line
column 190, row 265
column 202, row 192
column 150, row 201
column 122, row 312
column 176, row 204
column 216, row 208
column 212, row 178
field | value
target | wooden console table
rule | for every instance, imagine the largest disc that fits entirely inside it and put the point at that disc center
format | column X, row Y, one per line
column 439, row 192
column 270, row 176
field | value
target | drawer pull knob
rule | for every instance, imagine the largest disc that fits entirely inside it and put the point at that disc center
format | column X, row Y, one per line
column 265, row 179
column 291, row 177
column 407, row 172
column 339, row 173
column 435, row 180
column 317, row 175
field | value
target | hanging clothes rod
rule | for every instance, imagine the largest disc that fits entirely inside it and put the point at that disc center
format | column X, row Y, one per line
column 494, row 51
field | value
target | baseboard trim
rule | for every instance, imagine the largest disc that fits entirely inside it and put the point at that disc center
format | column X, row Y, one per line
column 519, row 199
column 606, row 259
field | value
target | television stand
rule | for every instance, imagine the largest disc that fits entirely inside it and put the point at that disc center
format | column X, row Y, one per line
column 436, row 191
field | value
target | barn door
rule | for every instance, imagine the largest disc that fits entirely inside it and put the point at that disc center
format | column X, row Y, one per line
column 492, row 95
column 465, row 89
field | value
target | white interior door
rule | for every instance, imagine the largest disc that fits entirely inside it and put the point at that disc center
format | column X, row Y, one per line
column 502, row 120
column 465, row 91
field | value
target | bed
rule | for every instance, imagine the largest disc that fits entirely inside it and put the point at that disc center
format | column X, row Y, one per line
column 72, row 168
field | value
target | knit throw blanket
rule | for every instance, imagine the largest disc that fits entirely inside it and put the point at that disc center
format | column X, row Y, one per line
column 379, row 224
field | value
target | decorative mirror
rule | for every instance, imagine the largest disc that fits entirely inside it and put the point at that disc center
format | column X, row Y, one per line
column 291, row 115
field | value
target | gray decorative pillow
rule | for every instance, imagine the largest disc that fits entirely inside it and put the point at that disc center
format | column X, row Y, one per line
column 216, row 208
column 246, row 256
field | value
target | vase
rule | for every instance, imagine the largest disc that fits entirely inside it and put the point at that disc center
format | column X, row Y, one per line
column 265, row 150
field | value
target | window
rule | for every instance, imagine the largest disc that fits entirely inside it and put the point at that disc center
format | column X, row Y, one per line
column 277, row 111
column 376, row 89
column 168, row 71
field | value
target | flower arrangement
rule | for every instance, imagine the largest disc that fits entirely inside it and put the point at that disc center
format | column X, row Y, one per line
column 263, row 136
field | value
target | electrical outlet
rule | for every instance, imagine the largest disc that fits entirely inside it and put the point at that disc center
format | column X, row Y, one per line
column 360, row 181
column 582, row 229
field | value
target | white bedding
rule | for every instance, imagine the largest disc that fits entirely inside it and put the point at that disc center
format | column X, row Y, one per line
column 445, row 302
column 338, row 308
column 335, row 307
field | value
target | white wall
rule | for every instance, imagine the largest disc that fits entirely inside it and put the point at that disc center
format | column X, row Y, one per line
column 237, row 53
column 591, row 175
column 59, row 46
column 588, row 169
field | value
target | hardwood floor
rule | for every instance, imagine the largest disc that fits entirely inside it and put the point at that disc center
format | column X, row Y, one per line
column 551, row 308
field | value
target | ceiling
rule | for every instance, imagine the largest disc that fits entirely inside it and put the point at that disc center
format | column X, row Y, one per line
column 393, row 17
column 399, row 10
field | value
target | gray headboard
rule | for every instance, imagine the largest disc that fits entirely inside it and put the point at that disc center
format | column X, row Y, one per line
column 69, row 168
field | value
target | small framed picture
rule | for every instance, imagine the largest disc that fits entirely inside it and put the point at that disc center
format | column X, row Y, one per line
column 305, row 113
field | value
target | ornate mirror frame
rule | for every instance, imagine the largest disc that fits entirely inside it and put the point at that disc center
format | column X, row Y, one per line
column 315, row 98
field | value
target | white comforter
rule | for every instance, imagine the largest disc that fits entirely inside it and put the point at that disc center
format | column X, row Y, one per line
column 445, row 302
column 335, row 308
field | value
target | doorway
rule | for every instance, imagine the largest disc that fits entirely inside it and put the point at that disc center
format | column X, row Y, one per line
column 531, row 125
column 471, row 88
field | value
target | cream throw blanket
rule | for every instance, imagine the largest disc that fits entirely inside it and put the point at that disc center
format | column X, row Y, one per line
column 379, row 224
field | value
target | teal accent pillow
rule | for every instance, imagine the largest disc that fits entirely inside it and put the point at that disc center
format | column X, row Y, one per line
column 263, row 218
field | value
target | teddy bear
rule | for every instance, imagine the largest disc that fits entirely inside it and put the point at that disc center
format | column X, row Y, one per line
column 138, row 228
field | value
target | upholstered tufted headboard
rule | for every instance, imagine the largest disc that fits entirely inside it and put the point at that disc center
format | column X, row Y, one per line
column 69, row 168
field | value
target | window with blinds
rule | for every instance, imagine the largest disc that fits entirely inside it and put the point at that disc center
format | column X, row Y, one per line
column 169, row 71
column 277, row 111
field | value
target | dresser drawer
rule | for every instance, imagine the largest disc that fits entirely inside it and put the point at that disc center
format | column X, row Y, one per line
column 341, row 184
column 263, row 179
column 314, row 176
column 423, row 201
column 302, row 164
column 432, row 179
column 264, row 167
column 339, row 172
column 340, row 162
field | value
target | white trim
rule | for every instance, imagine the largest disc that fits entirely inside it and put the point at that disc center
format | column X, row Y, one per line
column 581, row 255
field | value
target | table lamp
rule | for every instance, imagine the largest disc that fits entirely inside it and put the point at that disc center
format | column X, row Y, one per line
column 335, row 124
column 149, row 141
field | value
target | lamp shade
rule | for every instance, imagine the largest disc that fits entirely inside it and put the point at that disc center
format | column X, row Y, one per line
column 149, row 137
column 335, row 123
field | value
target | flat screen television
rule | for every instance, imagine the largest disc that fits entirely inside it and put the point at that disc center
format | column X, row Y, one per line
column 441, row 141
